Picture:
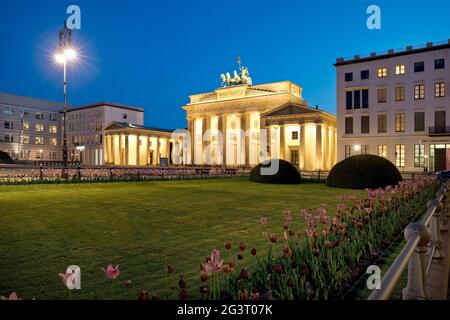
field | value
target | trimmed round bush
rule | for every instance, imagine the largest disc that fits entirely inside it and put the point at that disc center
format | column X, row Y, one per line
column 5, row 158
column 287, row 173
column 364, row 171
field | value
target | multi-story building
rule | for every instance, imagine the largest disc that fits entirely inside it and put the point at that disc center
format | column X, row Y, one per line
column 30, row 129
column 395, row 105
column 85, row 126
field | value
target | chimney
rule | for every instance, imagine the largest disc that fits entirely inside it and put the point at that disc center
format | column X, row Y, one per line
column 409, row 48
column 390, row 51
column 429, row 44
column 317, row 107
column 373, row 54
column 357, row 57
column 340, row 60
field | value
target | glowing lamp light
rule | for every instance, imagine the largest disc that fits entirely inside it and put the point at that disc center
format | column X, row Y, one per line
column 357, row 148
column 70, row 54
column 60, row 58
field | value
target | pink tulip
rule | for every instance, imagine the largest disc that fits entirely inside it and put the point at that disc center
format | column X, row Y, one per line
column 12, row 296
column 287, row 216
column 263, row 221
column 68, row 279
column 111, row 272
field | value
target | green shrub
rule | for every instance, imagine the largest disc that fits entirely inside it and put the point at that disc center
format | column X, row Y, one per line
column 364, row 171
column 286, row 174
column 5, row 158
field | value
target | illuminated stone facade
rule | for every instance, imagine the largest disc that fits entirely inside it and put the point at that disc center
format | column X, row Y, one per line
column 227, row 127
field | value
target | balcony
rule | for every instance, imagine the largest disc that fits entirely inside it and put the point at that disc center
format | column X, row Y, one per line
column 439, row 131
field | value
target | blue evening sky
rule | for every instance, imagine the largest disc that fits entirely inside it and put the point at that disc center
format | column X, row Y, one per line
column 155, row 54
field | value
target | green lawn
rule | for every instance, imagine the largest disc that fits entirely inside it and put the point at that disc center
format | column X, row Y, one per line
column 45, row 228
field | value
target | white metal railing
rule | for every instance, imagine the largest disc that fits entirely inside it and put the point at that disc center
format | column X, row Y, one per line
column 423, row 245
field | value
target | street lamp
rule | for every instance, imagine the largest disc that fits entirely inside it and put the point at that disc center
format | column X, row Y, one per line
column 65, row 54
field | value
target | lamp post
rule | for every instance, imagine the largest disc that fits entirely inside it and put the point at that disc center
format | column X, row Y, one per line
column 65, row 54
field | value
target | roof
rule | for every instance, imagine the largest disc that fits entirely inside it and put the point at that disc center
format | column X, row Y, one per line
column 29, row 102
column 393, row 53
column 125, row 125
column 109, row 104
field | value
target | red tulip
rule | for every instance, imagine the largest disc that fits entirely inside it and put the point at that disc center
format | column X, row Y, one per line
column 253, row 252
column 204, row 276
column 128, row 284
column 183, row 294
column 273, row 238
column 240, row 256
column 169, row 269
column 279, row 268
column 182, row 282
column 143, row 295
column 242, row 246
column 228, row 246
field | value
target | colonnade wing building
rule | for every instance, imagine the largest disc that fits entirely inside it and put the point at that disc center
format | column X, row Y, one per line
column 229, row 127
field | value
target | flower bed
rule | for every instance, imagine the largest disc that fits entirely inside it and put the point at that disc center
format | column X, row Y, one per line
column 322, row 261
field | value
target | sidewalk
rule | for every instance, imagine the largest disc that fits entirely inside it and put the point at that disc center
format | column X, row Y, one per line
column 438, row 275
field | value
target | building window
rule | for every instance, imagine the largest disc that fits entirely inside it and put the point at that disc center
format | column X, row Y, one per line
column 419, row 92
column 419, row 121
column 348, row 151
column 382, row 150
column 39, row 140
column 365, row 75
column 349, row 125
column 25, row 139
column 52, row 129
column 365, row 124
column 9, row 138
column 399, row 122
column 357, row 96
column 382, row 95
column 294, row 135
column 349, row 100
column 349, row 76
column 125, row 116
column 400, row 94
column 39, row 127
column 439, row 64
column 8, row 111
column 53, row 141
column 382, row 123
column 440, row 121
column 39, row 115
column 419, row 66
column 25, row 125
column 365, row 98
column 25, row 114
column 439, row 90
column 400, row 155
column 419, row 155
column 399, row 69
column 8, row 125
column 382, row 72
column 53, row 117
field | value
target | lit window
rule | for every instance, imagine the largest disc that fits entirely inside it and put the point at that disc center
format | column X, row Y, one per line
column 25, row 139
column 39, row 115
column 399, row 122
column 400, row 155
column 53, row 129
column 382, row 72
column 294, row 135
column 39, row 140
column 382, row 123
column 53, row 117
column 419, row 92
column 39, row 127
column 419, row 155
column 382, row 95
column 53, row 141
column 382, row 150
column 400, row 94
column 400, row 69
column 25, row 125
column 439, row 89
